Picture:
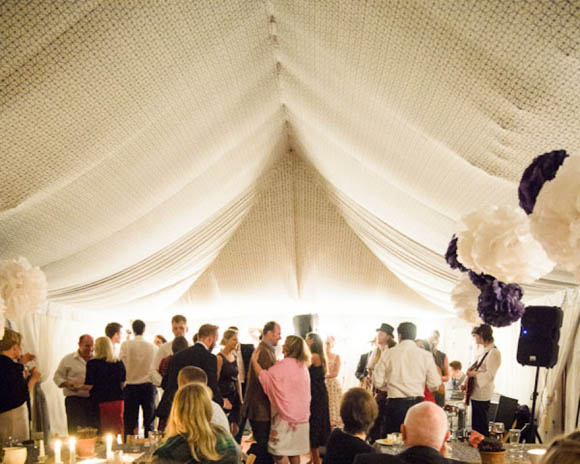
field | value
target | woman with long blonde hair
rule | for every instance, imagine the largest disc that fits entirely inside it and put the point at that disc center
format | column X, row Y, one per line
column 106, row 374
column 190, row 436
column 287, row 385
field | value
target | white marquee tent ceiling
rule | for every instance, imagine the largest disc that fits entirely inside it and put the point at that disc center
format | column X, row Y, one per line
column 177, row 152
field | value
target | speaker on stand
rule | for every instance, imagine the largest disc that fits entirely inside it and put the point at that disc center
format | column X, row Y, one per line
column 538, row 346
column 304, row 324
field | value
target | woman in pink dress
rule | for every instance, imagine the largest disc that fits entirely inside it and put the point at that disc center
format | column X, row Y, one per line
column 287, row 385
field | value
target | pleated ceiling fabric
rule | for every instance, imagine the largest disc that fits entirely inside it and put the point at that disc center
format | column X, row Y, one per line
column 179, row 153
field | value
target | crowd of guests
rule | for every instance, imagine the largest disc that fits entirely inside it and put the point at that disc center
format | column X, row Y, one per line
column 294, row 405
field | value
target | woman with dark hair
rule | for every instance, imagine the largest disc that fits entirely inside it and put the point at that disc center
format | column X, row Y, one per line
column 358, row 411
column 480, row 377
column 319, row 409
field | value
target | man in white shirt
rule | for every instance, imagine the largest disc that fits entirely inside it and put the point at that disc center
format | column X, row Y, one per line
column 484, row 371
column 403, row 372
column 70, row 376
column 179, row 328
column 137, row 356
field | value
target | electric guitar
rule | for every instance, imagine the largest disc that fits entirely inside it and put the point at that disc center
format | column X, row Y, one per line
column 471, row 380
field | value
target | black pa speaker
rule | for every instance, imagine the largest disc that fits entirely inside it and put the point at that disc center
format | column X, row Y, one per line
column 539, row 336
column 305, row 323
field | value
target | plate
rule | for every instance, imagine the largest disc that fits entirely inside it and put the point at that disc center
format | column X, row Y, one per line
column 385, row 442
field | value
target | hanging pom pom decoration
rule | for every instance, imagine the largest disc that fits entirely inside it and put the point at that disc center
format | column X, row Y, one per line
column 540, row 171
column 22, row 287
column 499, row 304
column 451, row 255
column 498, row 241
column 465, row 297
column 555, row 220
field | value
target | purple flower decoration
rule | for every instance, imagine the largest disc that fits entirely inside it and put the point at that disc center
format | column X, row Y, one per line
column 499, row 304
column 541, row 170
column 451, row 256
column 481, row 281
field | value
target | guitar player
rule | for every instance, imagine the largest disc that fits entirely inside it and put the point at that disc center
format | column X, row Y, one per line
column 480, row 377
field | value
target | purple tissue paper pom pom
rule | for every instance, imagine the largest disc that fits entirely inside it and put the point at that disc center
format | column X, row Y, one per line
column 541, row 170
column 451, row 256
column 500, row 304
column 481, row 281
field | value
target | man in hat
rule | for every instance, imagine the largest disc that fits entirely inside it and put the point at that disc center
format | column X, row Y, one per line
column 385, row 340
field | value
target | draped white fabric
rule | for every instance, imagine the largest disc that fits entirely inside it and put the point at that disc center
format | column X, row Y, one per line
column 269, row 156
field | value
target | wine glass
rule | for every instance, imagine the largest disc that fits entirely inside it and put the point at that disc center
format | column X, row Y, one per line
column 499, row 430
column 515, row 446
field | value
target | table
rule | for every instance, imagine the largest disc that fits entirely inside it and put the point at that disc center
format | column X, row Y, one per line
column 462, row 451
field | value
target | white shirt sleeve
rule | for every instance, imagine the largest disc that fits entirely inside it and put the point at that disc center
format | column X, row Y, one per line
column 60, row 373
column 491, row 364
column 380, row 373
column 433, row 377
column 123, row 353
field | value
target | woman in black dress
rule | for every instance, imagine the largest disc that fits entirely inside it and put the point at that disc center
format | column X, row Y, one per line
column 319, row 413
column 228, row 382
column 107, row 375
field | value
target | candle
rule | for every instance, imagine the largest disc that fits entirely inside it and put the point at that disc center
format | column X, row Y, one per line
column 71, row 450
column 119, row 439
column 41, row 449
column 57, row 446
column 109, row 448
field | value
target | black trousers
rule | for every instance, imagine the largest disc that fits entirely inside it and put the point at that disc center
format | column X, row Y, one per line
column 261, row 432
column 480, row 416
column 80, row 412
column 396, row 410
column 378, row 429
column 142, row 395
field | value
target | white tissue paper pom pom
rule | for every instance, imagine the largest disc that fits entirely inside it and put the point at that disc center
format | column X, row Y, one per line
column 497, row 241
column 465, row 296
column 555, row 220
column 22, row 287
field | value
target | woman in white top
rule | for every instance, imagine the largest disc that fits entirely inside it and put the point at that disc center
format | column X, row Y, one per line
column 483, row 372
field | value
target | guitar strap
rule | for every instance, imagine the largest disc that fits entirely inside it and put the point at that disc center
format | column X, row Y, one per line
column 482, row 359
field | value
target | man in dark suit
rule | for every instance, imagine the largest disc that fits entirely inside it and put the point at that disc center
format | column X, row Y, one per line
column 198, row 355
column 425, row 434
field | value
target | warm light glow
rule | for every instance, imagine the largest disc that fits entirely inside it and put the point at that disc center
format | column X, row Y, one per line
column 537, row 451
column 57, row 448
column 109, row 446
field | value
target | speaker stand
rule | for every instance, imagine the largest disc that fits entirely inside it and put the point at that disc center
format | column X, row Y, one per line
column 533, row 429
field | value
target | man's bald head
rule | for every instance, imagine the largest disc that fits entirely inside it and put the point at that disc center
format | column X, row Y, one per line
column 425, row 425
